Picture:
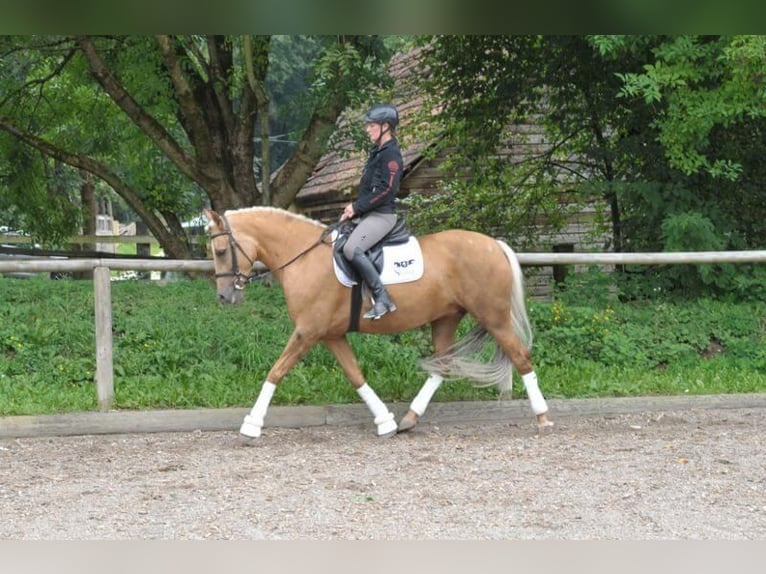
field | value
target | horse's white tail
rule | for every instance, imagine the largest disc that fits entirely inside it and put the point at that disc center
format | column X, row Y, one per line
column 460, row 360
column 519, row 317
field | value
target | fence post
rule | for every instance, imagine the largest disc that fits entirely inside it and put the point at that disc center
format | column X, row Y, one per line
column 560, row 272
column 103, row 311
column 143, row 249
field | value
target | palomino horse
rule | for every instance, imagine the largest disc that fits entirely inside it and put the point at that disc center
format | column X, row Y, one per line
column 464, row 272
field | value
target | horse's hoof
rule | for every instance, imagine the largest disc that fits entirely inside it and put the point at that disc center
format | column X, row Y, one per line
column 545, row 427
column 251, row 427
column 409, row 421
column 387, row 426
column 244, row 440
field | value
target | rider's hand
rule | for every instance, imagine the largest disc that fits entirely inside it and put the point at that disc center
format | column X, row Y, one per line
column 348, row 212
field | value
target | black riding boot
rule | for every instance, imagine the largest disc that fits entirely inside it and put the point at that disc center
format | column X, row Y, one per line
column 382, row 303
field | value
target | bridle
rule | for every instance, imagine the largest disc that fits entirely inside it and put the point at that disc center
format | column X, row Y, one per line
column 242, row 279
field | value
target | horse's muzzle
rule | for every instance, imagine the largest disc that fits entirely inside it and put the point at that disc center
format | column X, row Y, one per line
column 230, row 296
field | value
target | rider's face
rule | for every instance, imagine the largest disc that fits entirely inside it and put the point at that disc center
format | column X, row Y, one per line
column 373, row 131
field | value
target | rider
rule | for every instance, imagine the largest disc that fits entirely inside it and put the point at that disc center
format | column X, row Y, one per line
column 375, row 202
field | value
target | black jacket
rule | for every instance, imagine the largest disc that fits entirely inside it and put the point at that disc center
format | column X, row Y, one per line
column 380, row 180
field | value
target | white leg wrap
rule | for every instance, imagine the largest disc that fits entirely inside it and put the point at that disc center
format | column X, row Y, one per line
column 384, row 419
column 386, row 424
column 536, row 398
column 251, row 427
column 420, row 403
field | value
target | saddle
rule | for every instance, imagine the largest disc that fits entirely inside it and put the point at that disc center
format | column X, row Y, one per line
column 398, row 235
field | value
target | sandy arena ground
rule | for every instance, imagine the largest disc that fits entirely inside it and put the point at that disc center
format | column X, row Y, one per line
column 692, row 474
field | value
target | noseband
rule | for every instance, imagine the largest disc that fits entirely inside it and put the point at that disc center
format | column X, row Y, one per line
column 241, row 279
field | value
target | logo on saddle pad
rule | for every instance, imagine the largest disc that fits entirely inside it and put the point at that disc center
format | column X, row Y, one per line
column 401, row 263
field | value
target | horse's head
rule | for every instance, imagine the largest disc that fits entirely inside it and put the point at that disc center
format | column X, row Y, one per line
column 233, row 258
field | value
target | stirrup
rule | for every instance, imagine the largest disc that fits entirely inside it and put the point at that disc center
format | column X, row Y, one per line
column 379, row 309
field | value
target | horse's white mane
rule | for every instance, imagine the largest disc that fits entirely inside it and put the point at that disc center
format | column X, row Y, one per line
column 284, row 212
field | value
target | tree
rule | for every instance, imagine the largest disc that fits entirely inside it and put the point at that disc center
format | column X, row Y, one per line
column 706, row 83
column 709, row 118
column 158, row 119
column 43, row 185
column 487, row 83
column 669, row 129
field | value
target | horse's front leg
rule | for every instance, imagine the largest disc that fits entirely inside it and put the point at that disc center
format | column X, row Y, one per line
column 297, row 346
column 384, row 419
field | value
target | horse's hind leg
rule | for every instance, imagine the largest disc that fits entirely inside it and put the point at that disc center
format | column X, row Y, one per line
column 518, row 353
column 420, row 402
column 443, row 334
column 384, row 419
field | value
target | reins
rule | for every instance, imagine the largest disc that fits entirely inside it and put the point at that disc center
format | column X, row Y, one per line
column 243, row 279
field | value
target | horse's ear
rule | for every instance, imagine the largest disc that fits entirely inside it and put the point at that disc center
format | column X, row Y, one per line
column 213, row 217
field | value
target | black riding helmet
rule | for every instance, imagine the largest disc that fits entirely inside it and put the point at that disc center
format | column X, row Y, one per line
column 383, row 113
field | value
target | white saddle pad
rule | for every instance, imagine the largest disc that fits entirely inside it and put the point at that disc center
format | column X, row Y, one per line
column 401, row 263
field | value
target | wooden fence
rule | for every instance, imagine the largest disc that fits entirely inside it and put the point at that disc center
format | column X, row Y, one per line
column 80, row 239
column 103, row 267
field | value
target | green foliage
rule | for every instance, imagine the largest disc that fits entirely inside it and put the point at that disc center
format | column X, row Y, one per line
column 682, row 228
column 662, row 127
column 651, row 335
column 53, row 97
column 695, row 232
column 558, row 83
column 499, row 202
column 706, row 82
column 289, row 85
column 176, row 347
column 32, row 201
column 167, row 123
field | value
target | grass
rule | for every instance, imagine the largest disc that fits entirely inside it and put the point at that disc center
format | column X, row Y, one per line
column 131, row 248
column 176, row 347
